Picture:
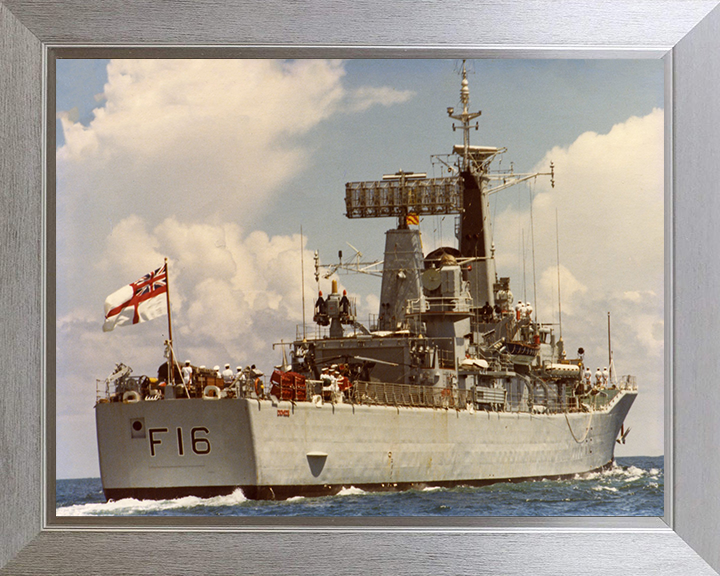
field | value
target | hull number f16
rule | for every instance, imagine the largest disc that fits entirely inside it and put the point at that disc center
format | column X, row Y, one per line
column 199, row 444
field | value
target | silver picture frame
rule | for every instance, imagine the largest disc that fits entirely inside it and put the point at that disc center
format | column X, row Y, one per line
column 685, row 33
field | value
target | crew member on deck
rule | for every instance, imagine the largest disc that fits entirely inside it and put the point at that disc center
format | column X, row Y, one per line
column 487, row 312
column 528, row 309
column 187, row 373
column 321, row 316
column 227, row 375
column 320, row 305
column 239, row 380
column 344, row 306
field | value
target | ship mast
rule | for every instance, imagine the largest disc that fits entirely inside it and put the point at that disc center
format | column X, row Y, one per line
column 465, row 117
column 475, row 230
column 409, row 196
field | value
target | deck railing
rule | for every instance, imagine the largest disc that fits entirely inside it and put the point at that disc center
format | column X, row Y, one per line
column 389, row 394
column 439, row 304
column 627, row 383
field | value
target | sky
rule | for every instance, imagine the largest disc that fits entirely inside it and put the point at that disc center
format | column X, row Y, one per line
column 218, row 165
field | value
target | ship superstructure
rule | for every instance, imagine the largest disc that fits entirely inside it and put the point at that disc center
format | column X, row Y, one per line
column 454, row 383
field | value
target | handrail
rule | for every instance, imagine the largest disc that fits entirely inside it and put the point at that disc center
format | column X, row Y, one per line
column 404, row 395
column 438, row 304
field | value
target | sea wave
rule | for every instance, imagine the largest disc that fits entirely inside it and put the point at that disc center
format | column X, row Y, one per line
column 632, row 487
column 352, row 491
column 604, row 488
column 130, row 506
column 622, row 473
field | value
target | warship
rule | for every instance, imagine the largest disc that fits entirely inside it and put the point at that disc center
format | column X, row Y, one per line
column 452, row 383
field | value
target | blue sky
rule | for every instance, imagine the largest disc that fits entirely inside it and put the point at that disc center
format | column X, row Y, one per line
column 217, row 165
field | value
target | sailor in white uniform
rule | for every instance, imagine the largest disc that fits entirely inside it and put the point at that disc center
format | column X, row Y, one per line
column 227, row 375
column 528, row 309
column 187, row 373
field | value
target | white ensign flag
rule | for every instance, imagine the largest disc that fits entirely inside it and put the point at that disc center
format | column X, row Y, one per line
column 142, row 300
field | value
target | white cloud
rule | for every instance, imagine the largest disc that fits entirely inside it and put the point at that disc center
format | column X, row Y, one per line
column 130, row 248
column 609, row 203
column 367, row 96
column 572, row 292
column 196, row 136
column 371, row 304
column 202, row 136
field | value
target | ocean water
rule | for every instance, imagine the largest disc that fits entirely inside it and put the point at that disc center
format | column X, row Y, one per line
column 634, row 486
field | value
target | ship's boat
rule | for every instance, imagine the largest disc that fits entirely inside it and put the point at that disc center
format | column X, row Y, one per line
column 451, row 384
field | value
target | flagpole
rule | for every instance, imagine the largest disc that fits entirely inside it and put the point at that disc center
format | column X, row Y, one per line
column 302, row 278
column 609, row 346
column 171, row 359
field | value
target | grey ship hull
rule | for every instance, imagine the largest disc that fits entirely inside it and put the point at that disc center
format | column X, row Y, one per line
column 173, row 448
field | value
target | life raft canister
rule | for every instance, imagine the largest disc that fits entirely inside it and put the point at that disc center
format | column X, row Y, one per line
column 130, row 397
column 211, row 392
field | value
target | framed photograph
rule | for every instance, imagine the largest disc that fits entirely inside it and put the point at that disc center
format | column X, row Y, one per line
column 38, row 538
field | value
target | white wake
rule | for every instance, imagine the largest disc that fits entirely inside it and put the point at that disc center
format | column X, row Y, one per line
column 132, row 506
